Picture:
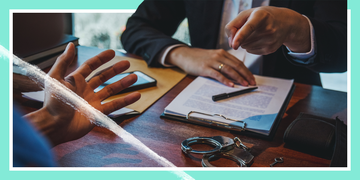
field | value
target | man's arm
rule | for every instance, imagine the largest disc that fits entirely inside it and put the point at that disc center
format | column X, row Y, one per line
column 148, row 34
column 149, row 29
column 283, row 26
column 330, row 26
column 60, row 122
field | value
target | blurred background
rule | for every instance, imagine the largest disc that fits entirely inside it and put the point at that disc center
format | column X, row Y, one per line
column 103, row 30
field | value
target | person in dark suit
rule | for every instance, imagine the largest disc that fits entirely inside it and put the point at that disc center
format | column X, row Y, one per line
column 264, row 30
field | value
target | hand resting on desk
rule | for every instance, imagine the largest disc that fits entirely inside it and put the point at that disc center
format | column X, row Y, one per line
column 205, row 62
column 60, row 122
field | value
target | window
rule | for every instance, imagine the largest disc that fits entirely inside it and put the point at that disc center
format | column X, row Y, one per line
column 103, row 30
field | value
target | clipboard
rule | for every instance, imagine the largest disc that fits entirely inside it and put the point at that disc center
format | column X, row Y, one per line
column 228, row 127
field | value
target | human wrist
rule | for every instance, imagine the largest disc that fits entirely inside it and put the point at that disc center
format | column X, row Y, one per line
column 299, row 39
column 175, row 55
column 44, row 123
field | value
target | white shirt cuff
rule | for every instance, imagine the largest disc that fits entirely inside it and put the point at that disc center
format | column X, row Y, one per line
column 165, row 52
column 303, row 57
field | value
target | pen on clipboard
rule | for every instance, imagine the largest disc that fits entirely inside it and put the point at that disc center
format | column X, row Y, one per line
column 232, row 94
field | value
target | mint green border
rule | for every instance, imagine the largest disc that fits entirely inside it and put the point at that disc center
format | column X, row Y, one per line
column 132, row 4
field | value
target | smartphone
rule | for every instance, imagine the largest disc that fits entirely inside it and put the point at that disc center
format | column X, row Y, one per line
column 143, row 81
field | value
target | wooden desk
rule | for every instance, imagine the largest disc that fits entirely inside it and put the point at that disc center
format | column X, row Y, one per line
column 102, row 148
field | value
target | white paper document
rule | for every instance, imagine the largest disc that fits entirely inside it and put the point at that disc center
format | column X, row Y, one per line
column 258, row 109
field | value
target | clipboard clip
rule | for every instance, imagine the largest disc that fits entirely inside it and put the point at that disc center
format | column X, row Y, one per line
column 208, row 121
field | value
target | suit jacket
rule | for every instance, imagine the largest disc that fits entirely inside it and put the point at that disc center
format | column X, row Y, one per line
column 149, row 30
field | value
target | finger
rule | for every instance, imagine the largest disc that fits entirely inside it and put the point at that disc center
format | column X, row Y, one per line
column 233, row 26
column 267, row 44
column 234, row 75
column 256, row 37
column 237, row 70
column 261, row 51
column 233, row 68
column 120, row 102
column 230, row 32
column 215, row 74
column 62, row 63
column 108, row 73
column 259, row 47
column 116, row 87
column 265, row 35
column 264, row 46
column 255, row 19
column 264, row 50
column 93, row 63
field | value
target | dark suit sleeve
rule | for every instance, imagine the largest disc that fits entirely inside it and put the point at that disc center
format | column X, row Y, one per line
column 329, row 19
column 149, row 29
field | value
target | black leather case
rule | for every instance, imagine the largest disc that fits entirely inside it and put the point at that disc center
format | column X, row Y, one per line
column 311, row 132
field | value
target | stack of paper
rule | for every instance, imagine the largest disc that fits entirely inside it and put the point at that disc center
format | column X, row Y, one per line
column 258, row 109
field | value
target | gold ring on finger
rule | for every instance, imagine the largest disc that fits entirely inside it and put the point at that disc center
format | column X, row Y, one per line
column 221, row 66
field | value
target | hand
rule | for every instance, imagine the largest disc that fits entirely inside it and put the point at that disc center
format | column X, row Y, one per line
column 202, row 62
column 60, row 122
column 264, row 29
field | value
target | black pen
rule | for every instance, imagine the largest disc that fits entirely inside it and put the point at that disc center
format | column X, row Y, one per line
column 232, row 94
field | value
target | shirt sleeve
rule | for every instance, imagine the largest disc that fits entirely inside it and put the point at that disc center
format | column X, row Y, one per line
column 30, row 148
column 308, row 57
column 165, row 52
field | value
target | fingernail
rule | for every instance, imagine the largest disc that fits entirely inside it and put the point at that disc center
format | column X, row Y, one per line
column 252, row 82
column 235, row 47
column 231, row 84
column 245, row 83
column 230, row 41
column 67, row 47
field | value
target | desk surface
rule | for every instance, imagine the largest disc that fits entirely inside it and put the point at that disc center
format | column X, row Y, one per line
column 102, row 148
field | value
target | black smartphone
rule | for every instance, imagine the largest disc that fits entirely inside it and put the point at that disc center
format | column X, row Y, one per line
column 143, row 81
